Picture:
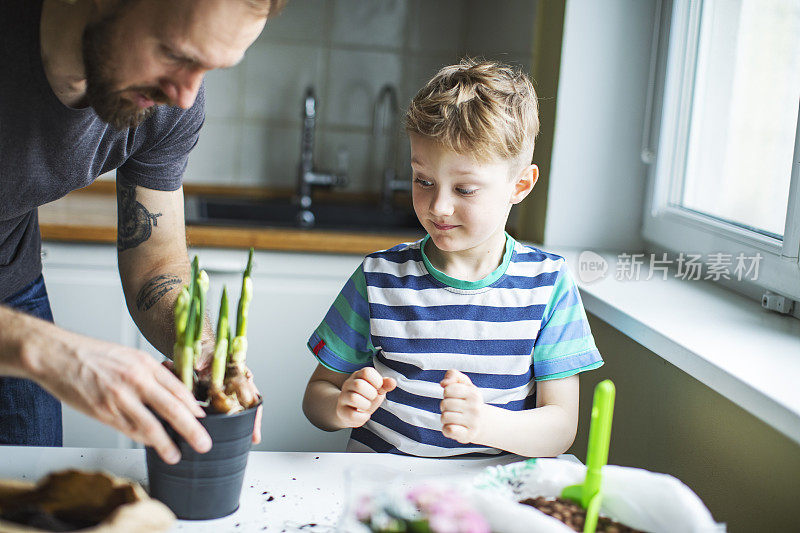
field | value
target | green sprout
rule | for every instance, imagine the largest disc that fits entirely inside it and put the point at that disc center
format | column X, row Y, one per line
column 238, row 347
column 229, row 387
column 221, row 349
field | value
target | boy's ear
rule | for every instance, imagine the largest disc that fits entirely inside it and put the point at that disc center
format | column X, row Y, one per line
column 524, row 183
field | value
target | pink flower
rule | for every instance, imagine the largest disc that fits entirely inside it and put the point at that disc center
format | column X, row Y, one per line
column 444, row 509
column 363, row 508
column 447, row 511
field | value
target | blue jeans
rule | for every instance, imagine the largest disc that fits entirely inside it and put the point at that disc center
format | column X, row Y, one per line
column 29, row 415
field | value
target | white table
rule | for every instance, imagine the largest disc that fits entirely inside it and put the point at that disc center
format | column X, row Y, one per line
column 307, row 488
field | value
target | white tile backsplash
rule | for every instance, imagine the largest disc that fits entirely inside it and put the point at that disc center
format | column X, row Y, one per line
column 347, row 50
column 300, row 21
column 276, row 76
column 437, row 26
column 269, row 154
column 225, row 86
column 214, row 159
column 369, row 23
column 356, row 146
column 354, row 82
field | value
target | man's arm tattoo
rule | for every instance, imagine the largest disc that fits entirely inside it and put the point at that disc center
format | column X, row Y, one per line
column 134, row 222
column 154, row 289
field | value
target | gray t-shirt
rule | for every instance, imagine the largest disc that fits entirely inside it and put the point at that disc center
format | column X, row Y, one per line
column 48, row 149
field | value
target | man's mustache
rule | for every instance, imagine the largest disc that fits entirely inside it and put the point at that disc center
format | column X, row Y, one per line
column 152, row 93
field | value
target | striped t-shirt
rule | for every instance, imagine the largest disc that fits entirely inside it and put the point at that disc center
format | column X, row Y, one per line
column 523, row 323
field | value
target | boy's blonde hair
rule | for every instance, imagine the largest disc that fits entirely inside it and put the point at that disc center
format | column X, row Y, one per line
column 482, row 108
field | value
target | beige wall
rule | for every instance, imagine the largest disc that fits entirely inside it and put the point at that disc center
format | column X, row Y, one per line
column 747, row 473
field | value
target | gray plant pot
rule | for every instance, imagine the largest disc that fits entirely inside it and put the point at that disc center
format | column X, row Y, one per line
column 202, row 486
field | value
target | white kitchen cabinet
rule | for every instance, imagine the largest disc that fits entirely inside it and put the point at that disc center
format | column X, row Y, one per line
column 292, row 293
column 86, row 297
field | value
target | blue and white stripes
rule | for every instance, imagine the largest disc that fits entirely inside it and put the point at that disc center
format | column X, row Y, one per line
column 523, row 323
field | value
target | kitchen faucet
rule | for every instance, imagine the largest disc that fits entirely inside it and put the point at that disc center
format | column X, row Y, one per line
column 307, row 176
column 385, row 127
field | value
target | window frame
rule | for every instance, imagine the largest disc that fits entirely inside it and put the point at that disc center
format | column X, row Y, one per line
column 665, row 147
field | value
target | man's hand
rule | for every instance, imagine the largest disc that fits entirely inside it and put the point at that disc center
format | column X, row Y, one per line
column 462, row 407
column 116, row 385
column 362, row 393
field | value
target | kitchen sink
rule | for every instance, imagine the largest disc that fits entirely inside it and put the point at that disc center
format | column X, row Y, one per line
column 222, row 211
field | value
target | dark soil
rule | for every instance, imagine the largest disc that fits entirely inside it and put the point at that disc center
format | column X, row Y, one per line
column 574, row 516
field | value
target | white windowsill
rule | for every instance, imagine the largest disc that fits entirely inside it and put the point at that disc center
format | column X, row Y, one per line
column 728, row 342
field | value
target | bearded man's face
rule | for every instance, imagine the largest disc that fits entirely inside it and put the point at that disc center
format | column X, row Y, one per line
column 112, row 103
column 144, row 53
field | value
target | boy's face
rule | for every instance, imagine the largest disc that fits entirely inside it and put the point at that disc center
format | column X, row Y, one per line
column 463, row 203
column 148, row 52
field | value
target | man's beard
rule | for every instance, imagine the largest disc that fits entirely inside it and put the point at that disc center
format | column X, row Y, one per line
column 101, row 92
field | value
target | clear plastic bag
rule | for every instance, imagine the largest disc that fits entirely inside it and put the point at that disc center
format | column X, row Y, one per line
column 657, row 503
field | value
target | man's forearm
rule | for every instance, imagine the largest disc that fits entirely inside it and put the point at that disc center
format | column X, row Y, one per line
column 14, row 326
column 151, row 300
column 542, row 432
column 34, row 349
column 153, row 261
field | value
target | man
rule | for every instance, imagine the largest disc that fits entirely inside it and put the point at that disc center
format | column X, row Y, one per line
column 88, row 86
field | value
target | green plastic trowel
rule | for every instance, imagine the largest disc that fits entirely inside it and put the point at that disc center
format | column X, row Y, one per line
column 588, row 494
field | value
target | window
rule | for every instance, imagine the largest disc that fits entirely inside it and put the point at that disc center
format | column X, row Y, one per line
column 725, row 173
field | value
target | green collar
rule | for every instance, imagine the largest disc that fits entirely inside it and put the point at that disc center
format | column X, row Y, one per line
column 456, row 283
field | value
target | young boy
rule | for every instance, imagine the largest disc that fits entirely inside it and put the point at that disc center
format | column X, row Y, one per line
column 465, row 342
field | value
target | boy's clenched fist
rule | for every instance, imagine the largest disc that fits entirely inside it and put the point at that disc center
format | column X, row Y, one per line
column 362, row 393
column 462, row 407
